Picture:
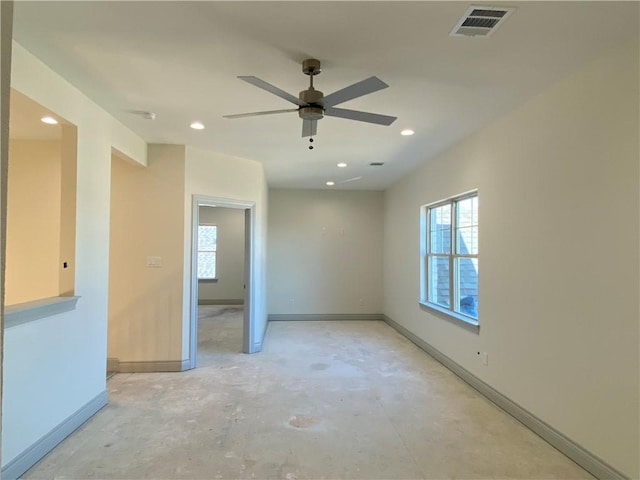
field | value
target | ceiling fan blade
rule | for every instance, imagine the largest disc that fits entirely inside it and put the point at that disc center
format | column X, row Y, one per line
column 257, row 114
column 272, row 89
column 360, row 116
column 364, row 87
column 309, row 128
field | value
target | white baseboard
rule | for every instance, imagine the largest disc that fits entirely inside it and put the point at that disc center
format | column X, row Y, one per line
column 590, row 462
column 29, row 457
column 291, row 317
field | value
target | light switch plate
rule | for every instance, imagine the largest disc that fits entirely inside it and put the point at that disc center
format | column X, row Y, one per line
column 154, row 262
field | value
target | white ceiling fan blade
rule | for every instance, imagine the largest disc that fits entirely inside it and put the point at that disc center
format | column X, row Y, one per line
column 272, row 89
column 364, row 87
column 309, row 128
column 257, row 114
column 360, row 116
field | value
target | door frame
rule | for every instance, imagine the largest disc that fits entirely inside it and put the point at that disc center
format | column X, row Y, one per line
column 248, row 330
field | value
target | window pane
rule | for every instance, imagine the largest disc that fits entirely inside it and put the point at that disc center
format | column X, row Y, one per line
column 440, row 229
column 467, row 240
column 207, row 237
column 467, row 226
column 439, row 280
column 467, row 212
column 206, row 264
column 466, row 285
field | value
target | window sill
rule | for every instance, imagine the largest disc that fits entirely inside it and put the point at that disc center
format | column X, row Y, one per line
column 207, row 280
column 453, row 317
column 35, row 310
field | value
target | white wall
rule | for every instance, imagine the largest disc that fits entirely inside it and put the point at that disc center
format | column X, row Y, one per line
column 325, row 251
column 558, row 273
column 55, row 366
column 221, row 176
column 229, row 254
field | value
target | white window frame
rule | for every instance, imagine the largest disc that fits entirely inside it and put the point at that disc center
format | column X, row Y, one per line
column 425, row 252
column 215, row 254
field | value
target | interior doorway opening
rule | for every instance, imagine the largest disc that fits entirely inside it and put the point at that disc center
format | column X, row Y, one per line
column 222, row 237
column 220, row 273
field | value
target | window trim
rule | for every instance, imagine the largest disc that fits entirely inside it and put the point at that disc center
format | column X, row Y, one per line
column 441, row 311
column 213, row 279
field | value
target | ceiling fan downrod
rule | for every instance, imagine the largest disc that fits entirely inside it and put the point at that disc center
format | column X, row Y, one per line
column 311, row 67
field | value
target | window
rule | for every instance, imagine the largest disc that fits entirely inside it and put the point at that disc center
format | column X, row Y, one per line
column 207, row 240
column 449, row 251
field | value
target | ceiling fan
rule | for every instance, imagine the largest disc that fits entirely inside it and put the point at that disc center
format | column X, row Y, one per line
column 312, row 105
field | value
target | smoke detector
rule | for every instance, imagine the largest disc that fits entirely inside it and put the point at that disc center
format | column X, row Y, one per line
column 481, row 21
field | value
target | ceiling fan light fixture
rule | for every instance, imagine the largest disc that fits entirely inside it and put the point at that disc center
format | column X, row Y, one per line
column 197, row 125
column 342, row 165
column 407, row 132
column 330, row 183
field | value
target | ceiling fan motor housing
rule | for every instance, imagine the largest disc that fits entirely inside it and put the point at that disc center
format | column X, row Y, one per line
column 314, row 110
column 311, row 113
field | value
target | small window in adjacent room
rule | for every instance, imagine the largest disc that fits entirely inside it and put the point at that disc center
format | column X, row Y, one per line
column 207, row 239
column 449, row 257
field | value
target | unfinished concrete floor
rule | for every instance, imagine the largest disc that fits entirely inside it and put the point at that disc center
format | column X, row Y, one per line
column 323, row 400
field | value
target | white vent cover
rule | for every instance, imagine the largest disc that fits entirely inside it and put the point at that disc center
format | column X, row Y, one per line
column 481, row 21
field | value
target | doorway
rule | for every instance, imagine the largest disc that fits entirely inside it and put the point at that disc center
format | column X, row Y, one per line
column 208, row 302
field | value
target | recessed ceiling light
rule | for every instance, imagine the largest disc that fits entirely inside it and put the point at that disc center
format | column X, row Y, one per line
column 49, row 120
column 406, row 132
column 330, row 183
column 342, row 165
column 197, row 126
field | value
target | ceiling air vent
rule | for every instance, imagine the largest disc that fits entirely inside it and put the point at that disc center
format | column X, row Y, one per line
column 376, row 164
column 481, row 21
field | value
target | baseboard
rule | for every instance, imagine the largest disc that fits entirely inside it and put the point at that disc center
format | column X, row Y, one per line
column 590, row 462
column 290, row 317
column 113, row 364
column 232, row 301
column 154, row 366
column 29, row 457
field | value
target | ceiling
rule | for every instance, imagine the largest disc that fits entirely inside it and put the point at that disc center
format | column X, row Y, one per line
column 24, row 121
column 181, row 59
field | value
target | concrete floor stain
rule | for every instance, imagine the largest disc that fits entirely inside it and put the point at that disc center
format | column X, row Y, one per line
column 303, row 421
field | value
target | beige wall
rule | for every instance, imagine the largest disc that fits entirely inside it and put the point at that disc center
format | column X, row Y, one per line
column 229, row 254
column 68, row 176
column 145, row 317
column 325, row 251
column 33, row 220
column 558, row 273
